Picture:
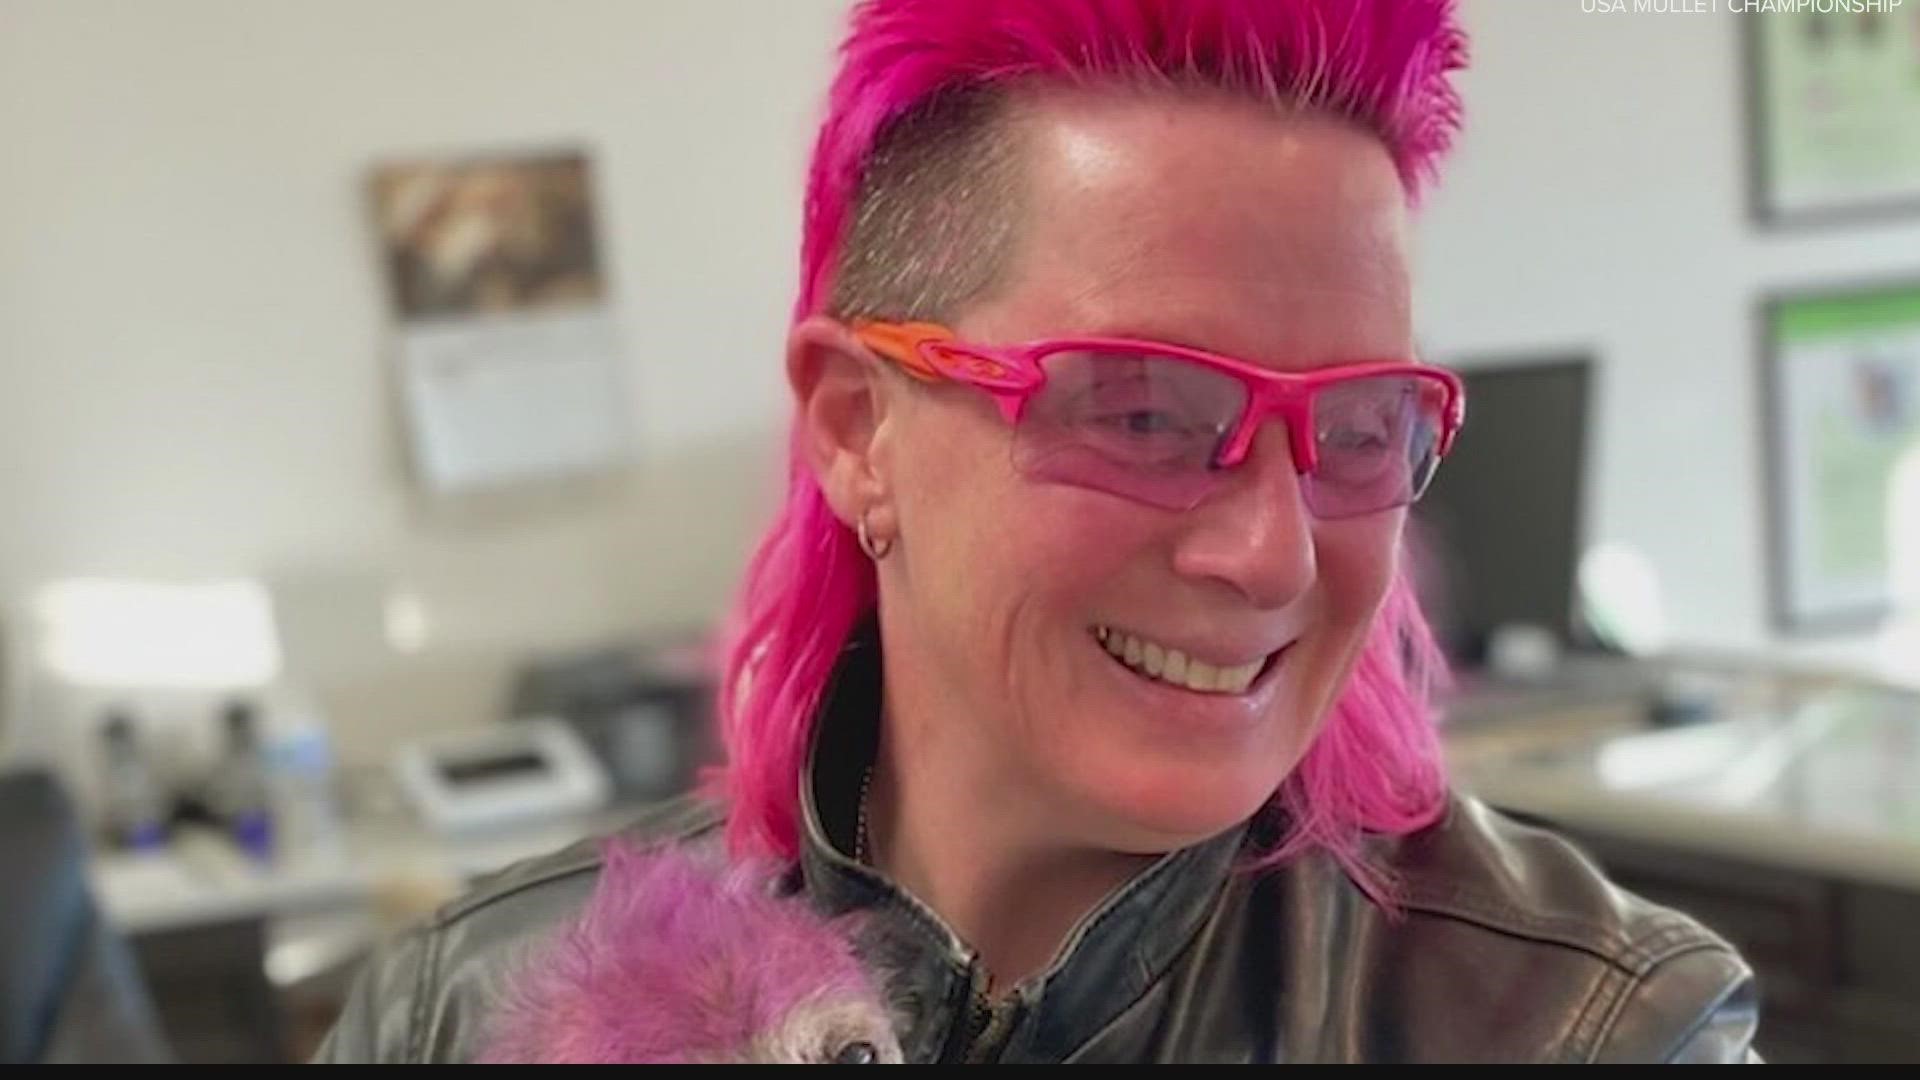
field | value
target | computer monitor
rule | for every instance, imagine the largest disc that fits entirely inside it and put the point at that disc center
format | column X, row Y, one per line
column 1498, row 534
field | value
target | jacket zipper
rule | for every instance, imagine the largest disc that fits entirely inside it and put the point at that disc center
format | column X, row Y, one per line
column 981, row 1033
column 995, row 1025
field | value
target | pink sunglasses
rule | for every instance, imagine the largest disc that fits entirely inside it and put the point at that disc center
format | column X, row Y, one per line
column 1160, row 423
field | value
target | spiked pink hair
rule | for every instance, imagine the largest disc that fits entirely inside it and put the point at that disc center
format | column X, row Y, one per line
column 1385, row 63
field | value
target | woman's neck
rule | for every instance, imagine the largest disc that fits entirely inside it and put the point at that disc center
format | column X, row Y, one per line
column 982, row 857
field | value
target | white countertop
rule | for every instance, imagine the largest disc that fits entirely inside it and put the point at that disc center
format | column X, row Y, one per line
column 1830, row 786
column 202, row 878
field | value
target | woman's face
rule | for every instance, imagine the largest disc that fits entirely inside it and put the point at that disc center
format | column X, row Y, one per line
column 1212, row 224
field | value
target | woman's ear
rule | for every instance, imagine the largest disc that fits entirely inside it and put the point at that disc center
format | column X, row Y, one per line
column 845, row 404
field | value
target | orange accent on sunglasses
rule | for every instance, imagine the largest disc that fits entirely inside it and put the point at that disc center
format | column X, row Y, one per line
column 900, row 343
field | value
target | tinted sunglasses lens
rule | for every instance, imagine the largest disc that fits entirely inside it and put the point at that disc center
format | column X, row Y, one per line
column 1377, row 439
column 1137, row 425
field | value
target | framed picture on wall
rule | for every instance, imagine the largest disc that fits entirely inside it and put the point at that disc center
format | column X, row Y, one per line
column 1833, row 104
column 1840, row 429
column 509, row 354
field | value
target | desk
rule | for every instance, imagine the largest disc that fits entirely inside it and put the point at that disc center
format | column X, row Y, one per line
column 1827, row 783
column 1789, row 822
column 201, row 878
column 222, row 938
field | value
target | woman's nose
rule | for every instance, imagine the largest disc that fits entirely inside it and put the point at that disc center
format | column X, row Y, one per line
column 1254, row 533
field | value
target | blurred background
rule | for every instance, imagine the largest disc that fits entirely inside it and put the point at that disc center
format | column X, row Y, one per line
column 390, row 395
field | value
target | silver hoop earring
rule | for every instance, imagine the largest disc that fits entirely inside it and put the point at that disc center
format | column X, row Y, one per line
column 874, row 551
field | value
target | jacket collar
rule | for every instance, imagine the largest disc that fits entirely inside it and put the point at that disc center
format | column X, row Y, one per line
column 1111, row 957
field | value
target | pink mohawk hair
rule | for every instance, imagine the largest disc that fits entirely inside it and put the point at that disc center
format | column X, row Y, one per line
column 1385, row 63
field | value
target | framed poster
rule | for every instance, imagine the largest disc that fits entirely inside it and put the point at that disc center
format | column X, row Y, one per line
column 1833, row 103
column 509, row 362
column 1840, row 424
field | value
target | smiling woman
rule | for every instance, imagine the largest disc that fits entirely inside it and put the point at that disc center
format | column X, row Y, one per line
column 1080, row 664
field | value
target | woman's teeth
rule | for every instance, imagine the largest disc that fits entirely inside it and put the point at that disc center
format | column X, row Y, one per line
column 1175, row 667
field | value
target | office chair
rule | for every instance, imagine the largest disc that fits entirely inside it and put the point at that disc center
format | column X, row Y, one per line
column 70, row 990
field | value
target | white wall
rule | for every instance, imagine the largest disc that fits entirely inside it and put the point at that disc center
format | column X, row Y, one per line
column 192, row 322
column 1598, row 201
column 192, row 378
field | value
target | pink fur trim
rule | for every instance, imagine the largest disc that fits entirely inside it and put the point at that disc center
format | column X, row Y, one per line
column 675, row 959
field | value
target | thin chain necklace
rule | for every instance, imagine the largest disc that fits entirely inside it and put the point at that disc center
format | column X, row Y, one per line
column 863, row 839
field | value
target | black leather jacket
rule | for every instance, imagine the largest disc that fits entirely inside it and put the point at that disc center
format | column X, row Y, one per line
column 1508, row 946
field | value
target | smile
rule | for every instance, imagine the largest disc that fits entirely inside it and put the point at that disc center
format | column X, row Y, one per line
column 1161, row 663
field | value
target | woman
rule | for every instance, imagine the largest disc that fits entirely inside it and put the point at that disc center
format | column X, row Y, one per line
column 1080, row 660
